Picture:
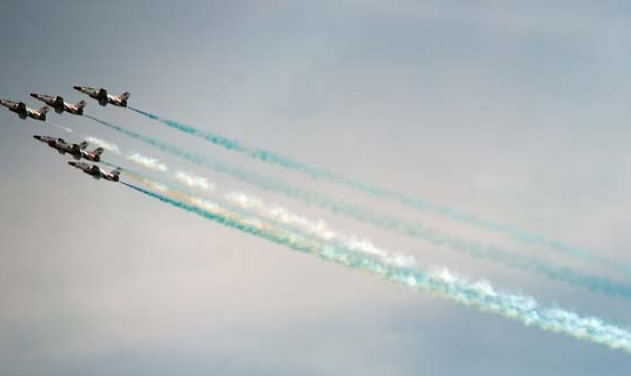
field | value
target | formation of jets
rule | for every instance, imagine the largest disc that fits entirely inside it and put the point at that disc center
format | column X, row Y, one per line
column 77, row 151
column 60, row 106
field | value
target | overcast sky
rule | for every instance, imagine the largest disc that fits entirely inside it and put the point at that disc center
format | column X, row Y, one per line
column 516, row 112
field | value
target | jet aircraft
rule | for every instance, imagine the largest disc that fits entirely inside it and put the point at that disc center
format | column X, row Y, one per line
column 103, row 97
column 57, row 103
column 77, row 151
column 62, row 146
column 23, row 111
column 96, row 172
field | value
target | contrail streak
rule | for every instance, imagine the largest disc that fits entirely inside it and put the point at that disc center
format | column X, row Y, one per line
column 441, row 283
column 564, row 274
column 381, row 192
column 59, row 126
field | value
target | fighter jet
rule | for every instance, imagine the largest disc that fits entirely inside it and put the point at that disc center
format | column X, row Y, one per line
column 59, row 105
column 96, row 172
column 77, row 151
column 62, row 146
column 103, row 97
column 23, row 111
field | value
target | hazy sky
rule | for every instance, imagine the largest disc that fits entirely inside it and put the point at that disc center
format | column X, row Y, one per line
column 516, row 111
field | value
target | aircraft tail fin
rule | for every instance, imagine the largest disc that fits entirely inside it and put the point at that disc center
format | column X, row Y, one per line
column 44, row 110
column 83, row 145
column 116, row 174
column 80, row 104
column 99, row 151
column 125, row 96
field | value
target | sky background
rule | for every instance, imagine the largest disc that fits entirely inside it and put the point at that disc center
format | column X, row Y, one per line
column 515, row 111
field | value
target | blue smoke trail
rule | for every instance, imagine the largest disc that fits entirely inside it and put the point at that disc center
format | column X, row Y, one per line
column 441, row 283
column 565, row 274
column 380, row 192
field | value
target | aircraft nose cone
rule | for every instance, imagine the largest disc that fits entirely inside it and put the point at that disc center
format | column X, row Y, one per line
column 34, row 95
column 37, row 137
column 73, row 164
column 77, row 87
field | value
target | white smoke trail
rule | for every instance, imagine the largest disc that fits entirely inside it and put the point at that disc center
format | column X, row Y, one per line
column 317, row 228
column 59, row 126
column 148, row 162
column 194, row 181
column 281, row 214
column 243, row 200
column 111, row 147
column 285, row 217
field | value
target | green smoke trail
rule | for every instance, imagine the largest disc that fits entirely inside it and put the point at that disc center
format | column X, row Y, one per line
column 442, row 283
column 565, row 274
column 381, row 192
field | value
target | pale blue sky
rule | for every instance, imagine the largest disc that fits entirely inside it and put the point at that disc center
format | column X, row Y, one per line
column 517, row 112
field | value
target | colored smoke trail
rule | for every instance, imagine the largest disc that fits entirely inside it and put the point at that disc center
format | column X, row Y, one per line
column 441, row 283
column 381, row 192
column 568, row 275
